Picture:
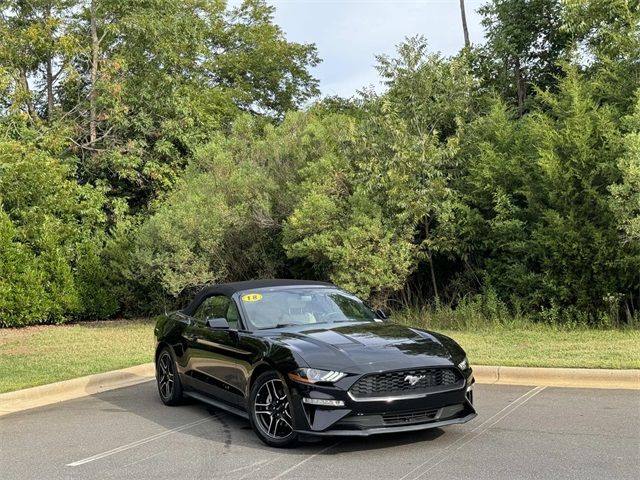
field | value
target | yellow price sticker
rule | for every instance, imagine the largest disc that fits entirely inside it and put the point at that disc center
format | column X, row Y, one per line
column 252, row 297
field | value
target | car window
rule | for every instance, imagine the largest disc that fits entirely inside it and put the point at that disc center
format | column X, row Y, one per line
column 267, row 308
column 218, row 306
column 232, row 316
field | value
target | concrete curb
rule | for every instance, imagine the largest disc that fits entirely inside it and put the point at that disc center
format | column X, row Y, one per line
column 75, row 388
column 92, row 384
column 559, row 377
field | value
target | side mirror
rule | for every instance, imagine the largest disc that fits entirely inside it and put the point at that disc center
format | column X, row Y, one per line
column 381, row 313
column 218, row 323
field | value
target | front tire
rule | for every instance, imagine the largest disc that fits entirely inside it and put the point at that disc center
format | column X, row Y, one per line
column 169, row 385
column 270, row 411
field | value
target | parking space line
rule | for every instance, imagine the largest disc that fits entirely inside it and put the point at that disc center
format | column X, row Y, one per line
column 302, row 462
column 247, row 466
column 260, row 467
column 536, row 391
column 137, row 443
column 154, row 455
column 480, row 429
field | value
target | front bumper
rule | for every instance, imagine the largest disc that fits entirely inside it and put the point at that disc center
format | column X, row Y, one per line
column 397, row 429
column 364, row 418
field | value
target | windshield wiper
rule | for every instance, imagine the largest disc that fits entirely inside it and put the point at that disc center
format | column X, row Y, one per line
column 280, row 325
column 351, row 320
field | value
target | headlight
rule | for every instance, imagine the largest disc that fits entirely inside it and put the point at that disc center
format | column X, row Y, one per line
column 464, row 364
column 313, row 375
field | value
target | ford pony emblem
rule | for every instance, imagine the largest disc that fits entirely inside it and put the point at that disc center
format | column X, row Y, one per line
column 413, row 379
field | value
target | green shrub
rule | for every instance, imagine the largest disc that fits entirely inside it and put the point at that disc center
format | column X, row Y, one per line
column 22, row 297
column 51, row 234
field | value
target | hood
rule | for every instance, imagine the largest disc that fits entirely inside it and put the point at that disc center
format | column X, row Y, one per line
column 366, row 347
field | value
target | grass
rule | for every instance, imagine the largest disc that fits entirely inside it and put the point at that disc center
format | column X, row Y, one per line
column 37, row 355
column 548, row 347
column 505, row 340
column 43, row 354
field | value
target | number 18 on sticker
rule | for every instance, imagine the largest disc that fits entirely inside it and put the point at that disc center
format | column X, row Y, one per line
column 252, row 297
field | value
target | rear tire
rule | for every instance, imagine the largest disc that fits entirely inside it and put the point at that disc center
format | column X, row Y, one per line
column 270, row 411
column 168, row 379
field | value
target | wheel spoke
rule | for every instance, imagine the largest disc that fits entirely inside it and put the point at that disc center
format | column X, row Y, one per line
column 275, row 427
column 272, row 410
column 272, row 391
column 286, row 423
column 166, row 376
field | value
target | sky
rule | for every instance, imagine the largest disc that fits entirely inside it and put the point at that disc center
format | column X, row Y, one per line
column 350, row 33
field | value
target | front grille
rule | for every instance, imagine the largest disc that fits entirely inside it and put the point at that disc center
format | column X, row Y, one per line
column 410, row 416
column 398, row 383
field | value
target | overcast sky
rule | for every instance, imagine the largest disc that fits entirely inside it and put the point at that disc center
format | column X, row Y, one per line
column 349, row 33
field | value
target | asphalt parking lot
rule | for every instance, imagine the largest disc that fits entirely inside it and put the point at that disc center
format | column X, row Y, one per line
column 520, row 433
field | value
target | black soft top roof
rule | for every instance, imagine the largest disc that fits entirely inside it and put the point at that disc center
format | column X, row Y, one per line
column 229, row 289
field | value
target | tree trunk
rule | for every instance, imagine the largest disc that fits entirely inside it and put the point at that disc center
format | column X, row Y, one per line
column 520, row 86
column 49, row 73
column 465, row 30
column 434, row 284
column 433, row 278
column 49, row 88
column 94, row 74
column 27, row 92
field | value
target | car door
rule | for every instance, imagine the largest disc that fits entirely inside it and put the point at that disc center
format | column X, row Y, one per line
column 217, row 362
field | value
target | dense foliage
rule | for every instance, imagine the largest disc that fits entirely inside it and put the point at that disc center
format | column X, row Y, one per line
column 148, row 148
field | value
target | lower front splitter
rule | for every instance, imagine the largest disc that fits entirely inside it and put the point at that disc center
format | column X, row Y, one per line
column 396, row 429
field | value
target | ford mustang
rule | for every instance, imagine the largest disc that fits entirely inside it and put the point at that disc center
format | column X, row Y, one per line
column 307, row 358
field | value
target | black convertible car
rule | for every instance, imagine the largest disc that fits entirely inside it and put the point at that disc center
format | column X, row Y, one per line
column 301, row 357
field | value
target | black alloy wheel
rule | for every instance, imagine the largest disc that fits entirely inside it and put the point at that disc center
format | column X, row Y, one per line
column 169, row 386
column 270, row 411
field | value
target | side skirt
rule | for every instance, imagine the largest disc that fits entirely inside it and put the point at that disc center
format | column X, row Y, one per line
column 217, row 404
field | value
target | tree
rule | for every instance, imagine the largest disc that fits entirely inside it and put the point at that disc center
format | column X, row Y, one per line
column 137, row 86
column 35, row 42
column 525, row 46
column 51, row 236
column 626, row 194
column 223, row 220
column 409, row 146
column 546, row 238
column 371, row 213
column 208, row 63
column 607, row 37
column 465, row 29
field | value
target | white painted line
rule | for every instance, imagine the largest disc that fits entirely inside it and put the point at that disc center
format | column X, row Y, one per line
column 302, row 462
column 507, row 410
column 445, row 455
column 260, row 467
column 154, row 455
column 247, row 466
column 137, row 443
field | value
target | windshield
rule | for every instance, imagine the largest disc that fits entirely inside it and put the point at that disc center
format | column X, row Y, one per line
column 278, row 307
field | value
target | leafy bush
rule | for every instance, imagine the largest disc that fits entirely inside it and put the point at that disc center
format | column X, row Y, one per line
column 51, row 231
column 538, row 188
